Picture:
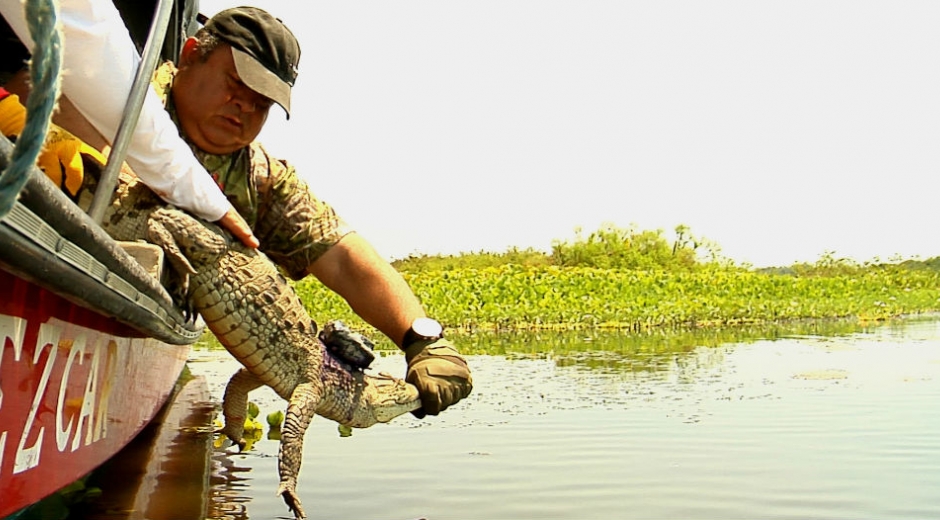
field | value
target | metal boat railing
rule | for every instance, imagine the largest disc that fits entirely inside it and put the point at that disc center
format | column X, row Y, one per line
column 148, row 63
column 50, row 241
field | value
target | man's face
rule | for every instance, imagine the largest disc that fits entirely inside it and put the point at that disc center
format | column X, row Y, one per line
column 216, row 111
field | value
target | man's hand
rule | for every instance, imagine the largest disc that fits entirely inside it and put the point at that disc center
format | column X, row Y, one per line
column 236, row 225
column 440, row 373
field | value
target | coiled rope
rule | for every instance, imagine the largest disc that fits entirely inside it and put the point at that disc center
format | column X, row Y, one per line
column 42, row 17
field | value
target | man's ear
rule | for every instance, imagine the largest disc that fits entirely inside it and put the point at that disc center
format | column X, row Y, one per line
column 190, row 51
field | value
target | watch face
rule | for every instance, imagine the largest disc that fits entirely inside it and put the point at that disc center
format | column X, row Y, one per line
column 427, row 327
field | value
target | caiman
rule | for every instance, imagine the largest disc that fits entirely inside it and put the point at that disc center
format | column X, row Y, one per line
column 258, row 317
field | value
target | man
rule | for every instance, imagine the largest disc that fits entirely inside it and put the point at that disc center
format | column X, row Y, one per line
column 229, row 75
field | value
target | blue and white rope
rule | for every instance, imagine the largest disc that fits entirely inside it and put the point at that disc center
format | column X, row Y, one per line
column 42, row 17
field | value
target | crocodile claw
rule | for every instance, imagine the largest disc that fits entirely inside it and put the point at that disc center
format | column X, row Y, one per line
column 289, row 494
column 161, row 236
column 260, row 319
column 189, row 310
column 229, row 442
column 233, row 433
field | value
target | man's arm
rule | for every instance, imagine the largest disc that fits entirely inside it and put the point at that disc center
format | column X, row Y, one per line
column 379, row 295
column 372, row 287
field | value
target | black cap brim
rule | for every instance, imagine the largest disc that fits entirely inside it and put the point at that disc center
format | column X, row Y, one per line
column 258, row 78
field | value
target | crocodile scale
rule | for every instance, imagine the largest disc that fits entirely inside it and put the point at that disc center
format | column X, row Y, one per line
column 259, row 318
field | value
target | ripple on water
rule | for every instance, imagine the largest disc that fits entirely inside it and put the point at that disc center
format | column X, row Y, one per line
column 803, row 427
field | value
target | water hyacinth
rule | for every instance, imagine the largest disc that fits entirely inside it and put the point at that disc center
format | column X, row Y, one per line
column 512, row 297
column 656, row 285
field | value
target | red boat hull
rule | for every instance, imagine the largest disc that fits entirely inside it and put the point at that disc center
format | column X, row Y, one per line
column 75, row 388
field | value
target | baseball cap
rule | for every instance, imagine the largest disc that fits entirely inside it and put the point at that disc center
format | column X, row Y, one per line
column 266, row 52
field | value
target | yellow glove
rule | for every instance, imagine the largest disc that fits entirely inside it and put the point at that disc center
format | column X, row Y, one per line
column 12, row 116
column 62, row 158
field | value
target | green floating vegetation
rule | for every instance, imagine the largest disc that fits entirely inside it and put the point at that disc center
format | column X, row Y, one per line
column 511, row 297
column 640, row 283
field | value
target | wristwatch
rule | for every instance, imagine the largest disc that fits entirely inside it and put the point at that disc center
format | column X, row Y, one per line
column 422, row 329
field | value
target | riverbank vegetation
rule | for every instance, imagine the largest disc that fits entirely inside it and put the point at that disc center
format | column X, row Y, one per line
column 639, row 281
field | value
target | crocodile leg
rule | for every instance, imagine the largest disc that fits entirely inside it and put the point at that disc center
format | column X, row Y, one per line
column 235, row 404
column 300, row 411
column 261, row 321
column 161, row 236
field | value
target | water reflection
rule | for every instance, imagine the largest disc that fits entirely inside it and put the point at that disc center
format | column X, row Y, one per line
column 815, row 420
column 172, row 471
column 170, row 458
column 662, row 350
column 229, row 488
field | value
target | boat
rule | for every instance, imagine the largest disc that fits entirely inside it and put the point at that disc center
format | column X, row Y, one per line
column 166, row 471
column 91, row 344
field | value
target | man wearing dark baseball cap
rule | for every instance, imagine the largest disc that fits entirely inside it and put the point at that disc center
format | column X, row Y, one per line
column 229, row 74
column 265, row 51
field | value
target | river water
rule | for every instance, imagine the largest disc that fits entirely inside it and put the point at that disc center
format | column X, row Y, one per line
column 803, row 426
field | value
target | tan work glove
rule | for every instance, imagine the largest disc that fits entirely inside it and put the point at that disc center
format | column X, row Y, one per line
column 440, row 373
column 63, row 157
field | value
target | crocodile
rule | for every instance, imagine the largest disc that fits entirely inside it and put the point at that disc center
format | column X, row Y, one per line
column 258, row 317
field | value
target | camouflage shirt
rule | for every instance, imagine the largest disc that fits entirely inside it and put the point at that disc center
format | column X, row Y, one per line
column 294, row 227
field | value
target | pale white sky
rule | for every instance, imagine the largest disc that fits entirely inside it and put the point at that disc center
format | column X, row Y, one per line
column 778, row 129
